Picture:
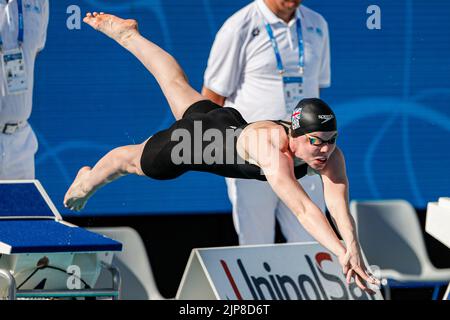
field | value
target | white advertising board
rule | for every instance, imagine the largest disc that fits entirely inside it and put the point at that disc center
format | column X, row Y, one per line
column 303, row 271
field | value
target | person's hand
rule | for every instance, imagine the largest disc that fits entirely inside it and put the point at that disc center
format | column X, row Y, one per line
column 353, row 267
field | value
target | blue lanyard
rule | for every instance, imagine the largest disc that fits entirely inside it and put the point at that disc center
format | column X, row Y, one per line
column 20, row 35
column 301, row 56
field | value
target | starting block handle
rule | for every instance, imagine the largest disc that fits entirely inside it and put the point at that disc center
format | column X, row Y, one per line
column 114, row 292
column 67, row 293
column 116, row 278
column 11, row 283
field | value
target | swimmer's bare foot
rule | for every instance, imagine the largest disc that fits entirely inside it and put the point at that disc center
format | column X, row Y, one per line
column 114, row 27
column 79, row 192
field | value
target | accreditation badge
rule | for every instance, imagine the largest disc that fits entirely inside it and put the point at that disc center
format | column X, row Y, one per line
column 14, row 71
column 293, row 91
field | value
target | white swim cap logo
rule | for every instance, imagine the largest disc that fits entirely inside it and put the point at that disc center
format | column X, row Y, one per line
column 325, row 117
column 295, row 119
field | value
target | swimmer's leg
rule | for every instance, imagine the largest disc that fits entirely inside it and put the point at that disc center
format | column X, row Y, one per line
column 171, row 78
column 115, row 164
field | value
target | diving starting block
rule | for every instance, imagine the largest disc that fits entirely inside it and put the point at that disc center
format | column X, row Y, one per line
column 42, row 256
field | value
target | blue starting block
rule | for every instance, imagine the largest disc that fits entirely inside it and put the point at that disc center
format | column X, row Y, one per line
column 42, row 256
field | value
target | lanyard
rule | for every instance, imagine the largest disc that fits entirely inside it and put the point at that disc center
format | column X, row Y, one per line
column 301, row 56
column 20, row 34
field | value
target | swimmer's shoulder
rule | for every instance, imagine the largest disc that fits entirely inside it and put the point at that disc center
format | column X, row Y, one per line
column 266, row 125
column 260, row 133
column 261, row 130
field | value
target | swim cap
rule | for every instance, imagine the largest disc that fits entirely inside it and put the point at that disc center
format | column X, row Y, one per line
column 312, row 115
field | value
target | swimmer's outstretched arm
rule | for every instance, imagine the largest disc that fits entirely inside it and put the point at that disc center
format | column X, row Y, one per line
column 171, row 78
column 278, row 169
column 335, row 184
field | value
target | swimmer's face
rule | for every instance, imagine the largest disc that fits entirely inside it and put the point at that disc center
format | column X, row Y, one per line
column 313, row 149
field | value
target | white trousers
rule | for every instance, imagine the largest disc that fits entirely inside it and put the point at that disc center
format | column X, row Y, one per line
column 256, row 206
column 17, row 152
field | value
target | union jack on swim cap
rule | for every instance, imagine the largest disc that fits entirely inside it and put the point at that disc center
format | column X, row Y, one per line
column 311, row 115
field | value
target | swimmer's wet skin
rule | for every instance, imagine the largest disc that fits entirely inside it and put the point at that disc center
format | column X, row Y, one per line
column 309, row 141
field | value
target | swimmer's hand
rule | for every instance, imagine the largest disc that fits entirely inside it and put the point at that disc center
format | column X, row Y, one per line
column 353, row 267
column 114, row 27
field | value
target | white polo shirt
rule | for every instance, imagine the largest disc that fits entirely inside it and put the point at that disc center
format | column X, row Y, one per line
column 15, row 108
column 242, row 65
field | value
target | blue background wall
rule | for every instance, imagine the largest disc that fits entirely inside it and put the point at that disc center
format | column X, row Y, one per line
column 390, row 90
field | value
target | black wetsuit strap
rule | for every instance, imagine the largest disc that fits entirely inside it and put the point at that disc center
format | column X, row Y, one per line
column 283, row 124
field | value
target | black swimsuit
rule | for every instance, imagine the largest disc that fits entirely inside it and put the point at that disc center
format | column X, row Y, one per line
column 165, row 158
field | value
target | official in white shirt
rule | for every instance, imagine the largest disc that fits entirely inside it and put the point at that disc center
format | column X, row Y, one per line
column 19, row 45
column 264, row 59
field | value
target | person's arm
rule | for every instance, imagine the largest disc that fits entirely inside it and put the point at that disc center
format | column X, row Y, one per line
column 325, row 68
column 225, row 63
column 335, row 185
column 43, row 32
column 213, row 96
column 336, row 194
column 278, row 169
